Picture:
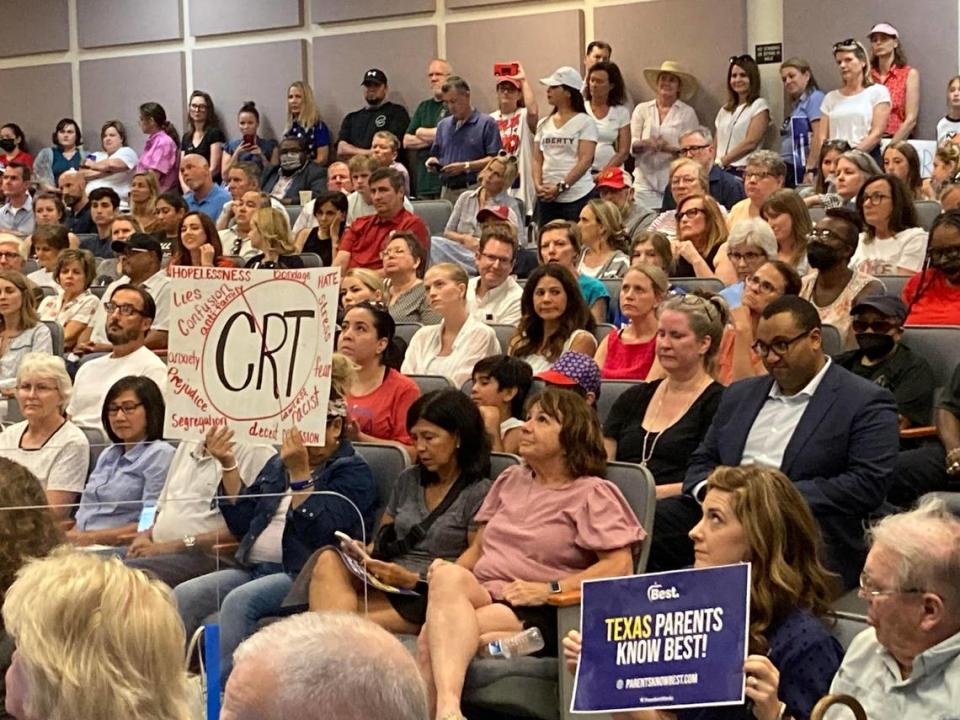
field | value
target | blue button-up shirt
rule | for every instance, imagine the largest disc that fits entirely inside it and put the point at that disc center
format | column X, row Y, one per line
column 212, row 203
column 19, row 221
column 476, row 137
column 121, row 483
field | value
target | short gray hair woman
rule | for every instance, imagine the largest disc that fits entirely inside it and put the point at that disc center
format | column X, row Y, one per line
column 750, row 244
column 47, row 444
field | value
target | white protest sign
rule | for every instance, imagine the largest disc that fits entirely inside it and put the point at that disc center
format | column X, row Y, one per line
column 250, row 350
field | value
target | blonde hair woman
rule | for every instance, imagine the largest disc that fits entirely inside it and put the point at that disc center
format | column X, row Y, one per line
column 21, row 331
column 95, row 639
column 304, row 123
column 627, row 354
column 601, row 231
column 360, row 284
column 859, row 110
column 144, row 191
column 453, row 346
column 270, row 234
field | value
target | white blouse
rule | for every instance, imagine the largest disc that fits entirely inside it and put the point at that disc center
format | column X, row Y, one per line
column 475, row 341
column 732, row 127
column 652, row 172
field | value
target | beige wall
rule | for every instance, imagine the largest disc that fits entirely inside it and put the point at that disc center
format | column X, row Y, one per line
column 98, row 59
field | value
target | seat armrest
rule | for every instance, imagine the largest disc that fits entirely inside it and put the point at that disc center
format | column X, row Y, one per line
column 567, row 598
column 924, row 431
column 222, row 548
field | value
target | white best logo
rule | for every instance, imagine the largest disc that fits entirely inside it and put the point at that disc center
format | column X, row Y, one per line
column 657, row 592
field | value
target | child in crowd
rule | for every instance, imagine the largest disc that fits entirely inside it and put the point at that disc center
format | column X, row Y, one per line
column 948, row 127
column 385, row 148
column 500, row 386
column 575, row 371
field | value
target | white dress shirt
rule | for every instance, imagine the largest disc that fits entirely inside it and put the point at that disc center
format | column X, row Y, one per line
column 499, row 306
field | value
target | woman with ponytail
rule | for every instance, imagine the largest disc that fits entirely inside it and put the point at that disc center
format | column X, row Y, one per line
column 381, row 395
column 161, row 154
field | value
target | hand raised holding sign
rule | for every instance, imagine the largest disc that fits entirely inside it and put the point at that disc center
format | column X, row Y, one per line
column 219, row 443
column 763, row 682
column 293, row 453
column 207, row 254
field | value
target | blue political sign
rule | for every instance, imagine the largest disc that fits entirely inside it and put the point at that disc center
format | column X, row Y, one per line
column 663, row 640
column 802, row 133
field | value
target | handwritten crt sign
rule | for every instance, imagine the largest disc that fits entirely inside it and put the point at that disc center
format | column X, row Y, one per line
column 250, row 349
column 663, row 640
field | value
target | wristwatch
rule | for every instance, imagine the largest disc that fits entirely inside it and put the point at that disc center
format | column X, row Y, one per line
column 189, row 541
column 555, row 587
column 562, row 186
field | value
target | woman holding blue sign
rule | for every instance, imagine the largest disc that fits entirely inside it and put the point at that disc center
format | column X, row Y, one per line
column 799, row 136
column 546, row 526
column 755, row 514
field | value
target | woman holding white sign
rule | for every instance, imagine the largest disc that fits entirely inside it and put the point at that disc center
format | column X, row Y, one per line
column 281, row 520
column 454, row 346
column 755, row 514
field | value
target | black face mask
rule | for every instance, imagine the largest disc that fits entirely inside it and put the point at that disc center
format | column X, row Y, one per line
column 7, row 144
column 875, row 345
column 821, row 256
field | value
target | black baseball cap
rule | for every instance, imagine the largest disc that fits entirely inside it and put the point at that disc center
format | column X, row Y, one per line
column 374, row 76
column 138, row 241
column 889, row 305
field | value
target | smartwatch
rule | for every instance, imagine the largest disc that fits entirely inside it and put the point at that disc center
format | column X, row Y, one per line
column 555, row 587
column 189, row 541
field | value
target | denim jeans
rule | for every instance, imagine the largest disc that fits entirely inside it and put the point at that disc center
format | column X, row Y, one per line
column 243, row 598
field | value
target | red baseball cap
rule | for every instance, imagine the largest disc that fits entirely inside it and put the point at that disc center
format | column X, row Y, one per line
column 616, row 178
column 500, row 212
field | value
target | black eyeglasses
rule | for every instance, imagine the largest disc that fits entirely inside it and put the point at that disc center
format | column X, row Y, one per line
column 690, row 150
column 778, row 347
column 737, row 256
column 123, row 309
column 881, row 327
column 691, row 213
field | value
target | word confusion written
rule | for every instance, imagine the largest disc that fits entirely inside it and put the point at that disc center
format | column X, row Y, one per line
column 664, row 640
column 250, row 350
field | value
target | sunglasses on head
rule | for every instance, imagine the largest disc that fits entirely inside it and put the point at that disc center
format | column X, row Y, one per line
column 848, row 44
column 737, row 59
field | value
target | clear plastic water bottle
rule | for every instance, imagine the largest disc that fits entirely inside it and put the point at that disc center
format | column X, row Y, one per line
column 523, row 643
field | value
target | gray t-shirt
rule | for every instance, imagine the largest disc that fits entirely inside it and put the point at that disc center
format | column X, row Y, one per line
column 447, row 536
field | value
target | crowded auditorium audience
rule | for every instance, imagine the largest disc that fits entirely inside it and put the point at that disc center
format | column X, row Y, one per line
column 756, row 312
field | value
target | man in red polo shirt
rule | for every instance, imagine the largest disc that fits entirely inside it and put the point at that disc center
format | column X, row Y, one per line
column 367, row 236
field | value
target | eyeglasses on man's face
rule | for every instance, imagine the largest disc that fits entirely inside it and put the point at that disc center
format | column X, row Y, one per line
column 777, row 347
column 124, row 309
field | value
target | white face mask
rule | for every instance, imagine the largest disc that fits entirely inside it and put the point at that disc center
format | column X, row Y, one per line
column 291, row 161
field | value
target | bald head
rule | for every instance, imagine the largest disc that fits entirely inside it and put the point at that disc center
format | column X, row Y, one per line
column 73, row 187
column 321, row 665
column 195, row 171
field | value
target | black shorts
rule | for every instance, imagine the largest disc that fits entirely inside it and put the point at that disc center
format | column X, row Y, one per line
column 542, row 617
column 412, row 608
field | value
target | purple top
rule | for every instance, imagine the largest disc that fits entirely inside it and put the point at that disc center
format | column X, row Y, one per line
column 161, row 155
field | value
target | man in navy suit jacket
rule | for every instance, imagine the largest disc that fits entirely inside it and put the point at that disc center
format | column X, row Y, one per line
column 835, row 435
